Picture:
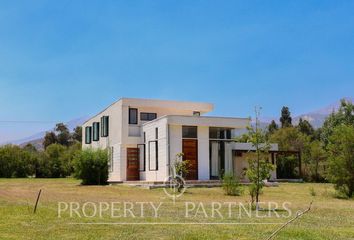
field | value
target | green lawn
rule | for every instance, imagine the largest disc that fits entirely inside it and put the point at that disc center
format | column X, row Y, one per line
column 330, row 218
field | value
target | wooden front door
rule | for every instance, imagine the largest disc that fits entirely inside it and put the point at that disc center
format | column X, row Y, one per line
column 132, row 164
column 190, row 151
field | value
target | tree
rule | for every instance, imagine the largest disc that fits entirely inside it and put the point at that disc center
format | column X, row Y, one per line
column 344, row 115
column 63, row 136
column 272, row 127
column 289, row 139
column 341, row 160
column 285, row 118
column 316, row 160
column 77, row 134
column 49, row 138
column 305, row 127
column 55, row 162
column 259, row 166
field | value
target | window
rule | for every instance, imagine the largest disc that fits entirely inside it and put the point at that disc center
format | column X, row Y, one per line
column 189, row 132
column 104, row 126
column 153, row 156
column 88, row 136
column 110, row 164
column 141, row 157
column 133, row 116
column 197, row 114
column 147, row 116
column 219, row 133
column 96, row 131
column 156, row 133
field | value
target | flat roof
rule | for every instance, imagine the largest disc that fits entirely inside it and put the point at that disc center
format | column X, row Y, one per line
column 207, row 121
column 201, row 107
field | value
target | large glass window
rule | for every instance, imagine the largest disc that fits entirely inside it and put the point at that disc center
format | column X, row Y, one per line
column 141, row 157
column 96, row 131
column 153, row 156
column 219, row 133
column 147, row 116
column 189, row 132
column 133, row 116
column 88, row 135
column 104, row 126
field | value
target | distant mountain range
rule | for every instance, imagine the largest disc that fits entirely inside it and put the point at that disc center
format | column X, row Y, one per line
column 316, row 118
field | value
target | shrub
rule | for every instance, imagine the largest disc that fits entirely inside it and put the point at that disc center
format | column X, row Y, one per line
column 91, row 166
column 15, row 162
column 231, row 185
column 341, row 160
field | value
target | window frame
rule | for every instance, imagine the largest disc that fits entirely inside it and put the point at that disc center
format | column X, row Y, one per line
column 94, row 128
column 156, row 155
column 189, row 137
column 144, row 160
column 104, row 126
column 149, row 116
column 136, row 114
column 88, row 140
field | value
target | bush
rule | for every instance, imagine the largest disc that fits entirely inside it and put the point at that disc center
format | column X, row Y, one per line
column 231, row 185
column 341, row 160
column 15, row 162
column 91, row 166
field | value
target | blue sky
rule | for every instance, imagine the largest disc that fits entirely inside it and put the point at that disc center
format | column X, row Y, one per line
column 60, row 60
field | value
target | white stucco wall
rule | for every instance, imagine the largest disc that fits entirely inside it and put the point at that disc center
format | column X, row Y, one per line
column 203, row 153
column 162, row 172
column 241, row 162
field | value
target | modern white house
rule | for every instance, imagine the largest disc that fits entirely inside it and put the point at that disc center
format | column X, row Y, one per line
column 144, row 136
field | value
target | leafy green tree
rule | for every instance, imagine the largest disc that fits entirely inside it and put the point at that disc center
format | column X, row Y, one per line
column 317, row 161
column 305, row 127
column 344, row 115
column 77, row 134
column 259, row 167
column 49, row 138
column 285, row 118
column 272, row 127
column 55, row 161
column 289, row 139
column 91, row 166
column 341, row 160
column 63, row 134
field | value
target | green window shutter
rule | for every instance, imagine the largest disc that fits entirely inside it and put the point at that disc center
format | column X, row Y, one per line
column 102, row 127
column 88, row 136
column 96, row 131
column 106, row 126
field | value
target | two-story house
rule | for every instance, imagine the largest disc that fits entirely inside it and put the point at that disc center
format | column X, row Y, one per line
column 144, row 136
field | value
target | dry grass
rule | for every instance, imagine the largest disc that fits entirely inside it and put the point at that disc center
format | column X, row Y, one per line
column 330, row 218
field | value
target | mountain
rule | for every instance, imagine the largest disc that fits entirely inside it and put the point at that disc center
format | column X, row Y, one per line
column 37, row 139
column 316, row 118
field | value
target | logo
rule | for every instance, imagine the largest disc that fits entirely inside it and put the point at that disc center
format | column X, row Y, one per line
column 175, row 186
